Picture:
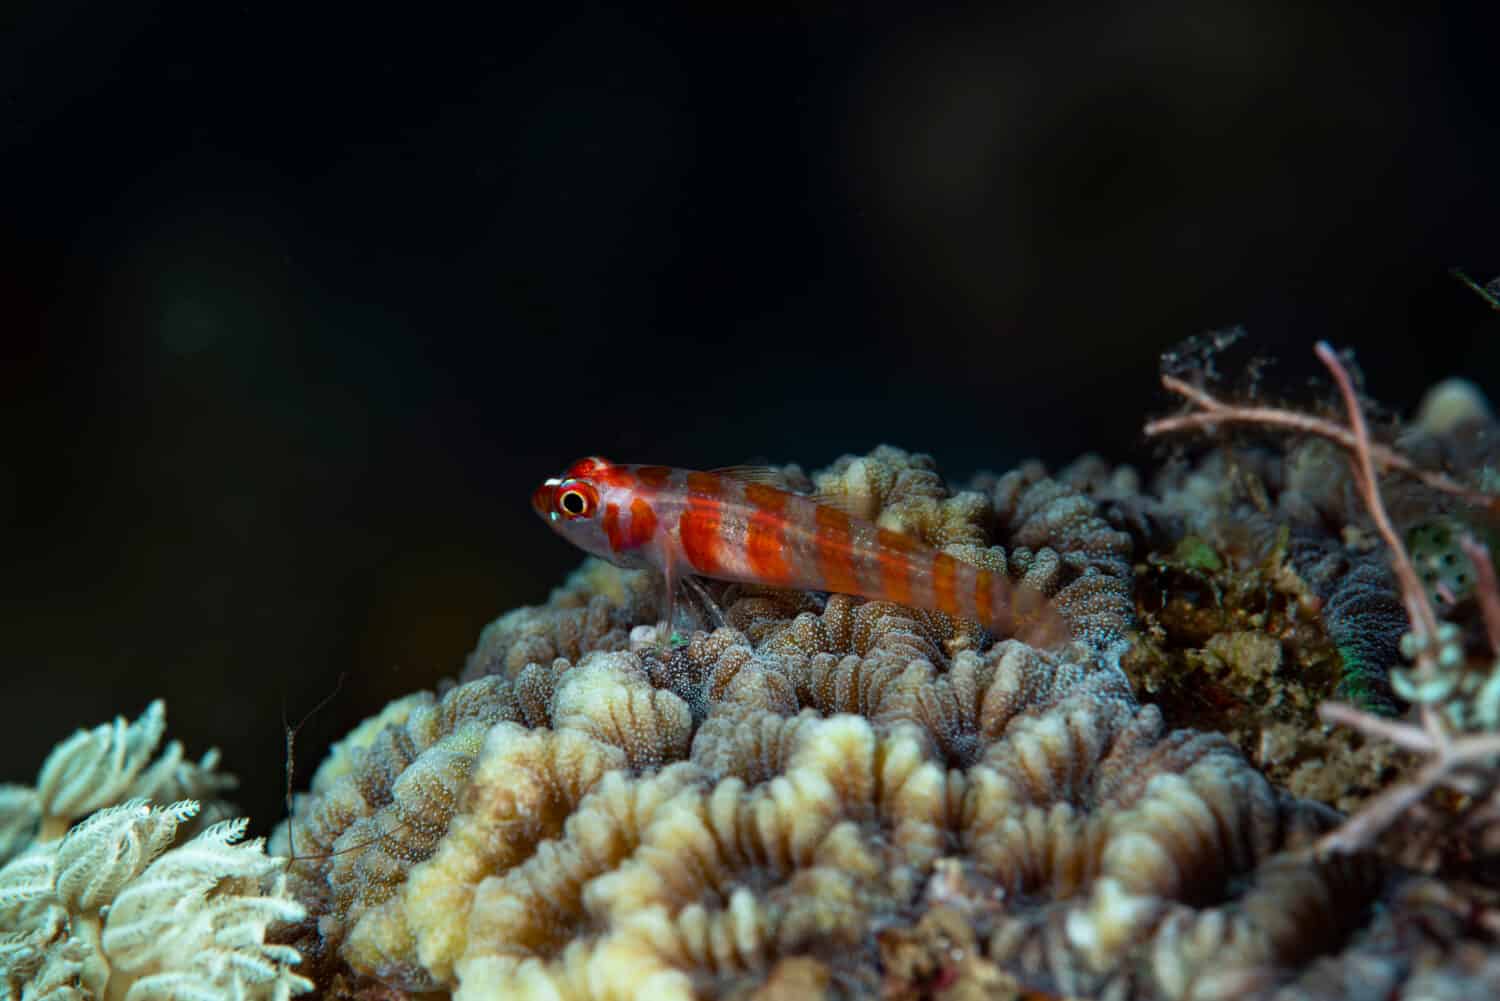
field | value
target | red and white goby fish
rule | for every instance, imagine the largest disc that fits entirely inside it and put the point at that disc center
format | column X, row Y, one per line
column 730, row 525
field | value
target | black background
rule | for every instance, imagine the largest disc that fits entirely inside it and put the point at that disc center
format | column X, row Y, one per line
column 299, row 304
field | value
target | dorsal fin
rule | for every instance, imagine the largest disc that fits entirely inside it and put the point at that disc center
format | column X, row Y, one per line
column 768, row 476
column 586, row 466
column 847, row 503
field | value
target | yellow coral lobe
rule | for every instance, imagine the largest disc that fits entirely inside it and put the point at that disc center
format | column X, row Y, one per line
column 606, row 697
column 526, row 785
column 537, row 908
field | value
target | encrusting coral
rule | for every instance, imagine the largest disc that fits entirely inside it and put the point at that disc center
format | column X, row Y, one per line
column 815, row 794
column 137, row 901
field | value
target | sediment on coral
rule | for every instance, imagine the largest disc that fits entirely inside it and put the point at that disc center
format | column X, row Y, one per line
column 1261, row 591
column 1251, row 651
column 1253, row 498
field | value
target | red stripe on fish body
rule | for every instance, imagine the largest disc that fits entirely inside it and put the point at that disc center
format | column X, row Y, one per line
column 945, row 584
column 833, row 544
column 642, row 523
column 765, row 535
column 700, row 523
column 653, row 476
column 984, row 588
column 612, row 527
column 895, row 552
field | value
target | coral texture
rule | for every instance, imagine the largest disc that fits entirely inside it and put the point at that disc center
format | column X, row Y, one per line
column 622, row 840
column 378, row 804
column 104, row 766
column 1262, row 586
column 823, row 797
column 126, row 904
column 815, row 795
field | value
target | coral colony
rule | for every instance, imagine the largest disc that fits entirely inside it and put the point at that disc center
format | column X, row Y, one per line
column 1262, row 763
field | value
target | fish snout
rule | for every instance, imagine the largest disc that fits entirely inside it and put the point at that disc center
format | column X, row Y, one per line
column 542, row 498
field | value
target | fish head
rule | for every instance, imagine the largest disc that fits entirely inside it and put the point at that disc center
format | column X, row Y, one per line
column 570, row 504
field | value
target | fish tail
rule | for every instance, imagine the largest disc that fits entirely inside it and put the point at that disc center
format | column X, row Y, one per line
column 1002, row 605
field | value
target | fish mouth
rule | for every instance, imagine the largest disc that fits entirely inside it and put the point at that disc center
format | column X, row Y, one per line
column 542, row 497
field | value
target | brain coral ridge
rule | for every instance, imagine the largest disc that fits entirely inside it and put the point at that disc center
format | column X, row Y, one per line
column 772, row 802
column 816, row 795
column 623, row 836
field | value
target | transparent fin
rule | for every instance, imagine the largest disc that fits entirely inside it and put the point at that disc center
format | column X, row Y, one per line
column 1035, row 619
column 768, row 476
column 666, row 631
column 711, row 610
column 851, row 505
column 772, row 477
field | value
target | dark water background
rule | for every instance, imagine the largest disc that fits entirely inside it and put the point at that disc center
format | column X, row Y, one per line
column 297, row 305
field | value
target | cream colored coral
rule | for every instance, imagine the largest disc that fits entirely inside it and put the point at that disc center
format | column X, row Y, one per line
column 535, row 910
column 110, row 912
column 609, row 696
column 902, row 491
column 595, row 609
column 614, row 969
column 104, row 766
column 819, row 792
column 605, row 716
column 722, row 878
column 380, row 805
column 525, row 786
column 728, row 878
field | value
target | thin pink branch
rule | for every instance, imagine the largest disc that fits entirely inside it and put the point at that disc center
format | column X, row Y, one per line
column 1375, row 815
column 1413, row 738
column 1447, row 756
column 1419, row 609
column 1379, row 813
column 1485, row 587
column 1470, row 750
column 1214, row 411
column 1418, row 606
